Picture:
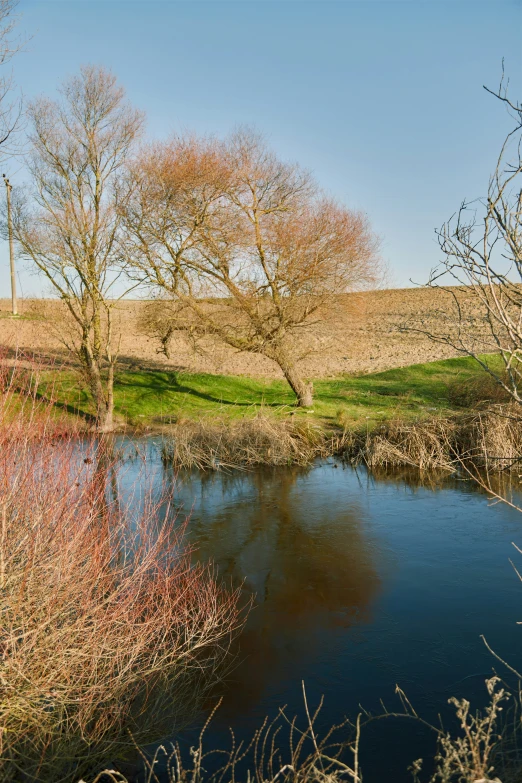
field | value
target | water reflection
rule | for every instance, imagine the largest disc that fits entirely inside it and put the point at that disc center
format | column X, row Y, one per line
column 504, row 484
column 309, row 560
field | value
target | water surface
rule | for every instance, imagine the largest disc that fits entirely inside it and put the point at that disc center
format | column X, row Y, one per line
column 360, row 584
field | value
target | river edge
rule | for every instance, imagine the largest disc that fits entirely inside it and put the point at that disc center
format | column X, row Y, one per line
column 488, row 438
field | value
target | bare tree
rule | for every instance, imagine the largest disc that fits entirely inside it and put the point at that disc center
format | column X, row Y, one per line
column 70, row 225
column 10, row 106
column 245, row 246
column 482, row 249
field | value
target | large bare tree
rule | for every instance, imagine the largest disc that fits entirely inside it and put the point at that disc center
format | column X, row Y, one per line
column 69, row 224
column 245, row 247
column 482, row 257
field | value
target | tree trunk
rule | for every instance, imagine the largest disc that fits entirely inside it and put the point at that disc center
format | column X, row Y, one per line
column 103, row 399
column 302, row 390
column 106, row 421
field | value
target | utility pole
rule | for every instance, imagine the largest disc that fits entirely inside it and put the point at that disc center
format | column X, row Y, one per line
column 9, row 188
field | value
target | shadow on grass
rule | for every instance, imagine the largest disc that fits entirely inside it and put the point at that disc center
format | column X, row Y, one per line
column 89, row 418
column 149, row 385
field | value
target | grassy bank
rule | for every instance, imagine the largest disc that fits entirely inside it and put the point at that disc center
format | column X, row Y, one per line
column 150, row 399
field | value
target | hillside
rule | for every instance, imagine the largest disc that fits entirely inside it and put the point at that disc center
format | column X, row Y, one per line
column 364, row 335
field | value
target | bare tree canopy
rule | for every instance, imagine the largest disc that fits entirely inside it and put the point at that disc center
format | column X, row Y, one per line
column 69, row 225
column 10, row 106
column 245, row 247
column 482, row 254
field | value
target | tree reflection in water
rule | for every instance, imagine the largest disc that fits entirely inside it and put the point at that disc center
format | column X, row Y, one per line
column 303, row 554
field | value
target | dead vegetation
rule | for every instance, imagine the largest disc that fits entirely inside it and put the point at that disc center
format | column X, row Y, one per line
column 261, row 440
column 282, row 750
column 489, row 440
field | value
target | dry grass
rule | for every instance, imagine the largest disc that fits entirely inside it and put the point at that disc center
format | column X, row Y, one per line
column 302, row 756
column 490, row 440
column 262, row 440
column 106, row 627
column 426, row 444
column 286, row 752
column 471, row 756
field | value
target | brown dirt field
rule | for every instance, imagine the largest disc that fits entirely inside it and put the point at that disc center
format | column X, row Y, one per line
column 364, row 335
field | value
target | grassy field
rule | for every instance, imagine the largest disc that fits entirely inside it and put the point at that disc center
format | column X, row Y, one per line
column 152, row 398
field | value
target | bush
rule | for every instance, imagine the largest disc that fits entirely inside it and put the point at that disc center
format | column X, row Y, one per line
column 106, row 626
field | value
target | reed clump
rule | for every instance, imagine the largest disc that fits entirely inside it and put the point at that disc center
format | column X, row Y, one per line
column 107, row 629
column 261, row 440
column 489, row 439
column 424, row 444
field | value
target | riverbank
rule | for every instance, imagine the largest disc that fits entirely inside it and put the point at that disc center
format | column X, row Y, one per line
column 429, row 416
column 314, row 544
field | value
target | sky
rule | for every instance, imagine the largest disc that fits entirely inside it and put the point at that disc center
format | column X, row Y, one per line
column 382, row 100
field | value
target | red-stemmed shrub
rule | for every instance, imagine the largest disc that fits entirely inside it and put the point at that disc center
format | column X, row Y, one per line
column 109, row 634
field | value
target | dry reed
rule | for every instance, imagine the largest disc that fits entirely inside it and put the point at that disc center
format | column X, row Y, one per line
column 489, row 440
column 261, row 440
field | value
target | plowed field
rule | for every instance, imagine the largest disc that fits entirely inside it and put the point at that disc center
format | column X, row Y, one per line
column 366, row 334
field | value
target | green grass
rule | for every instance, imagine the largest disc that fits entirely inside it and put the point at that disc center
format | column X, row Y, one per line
column 150, row 398
column 30, row 316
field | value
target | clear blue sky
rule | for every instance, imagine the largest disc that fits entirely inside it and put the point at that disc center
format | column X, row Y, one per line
column 381, row 99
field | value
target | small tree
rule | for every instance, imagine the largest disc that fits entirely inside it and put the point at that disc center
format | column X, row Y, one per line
column 244, row 246
column 70, row 225
column 482, row 249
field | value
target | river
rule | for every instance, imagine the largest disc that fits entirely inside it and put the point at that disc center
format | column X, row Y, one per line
column 359, row 584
